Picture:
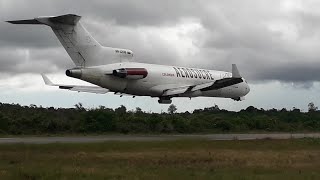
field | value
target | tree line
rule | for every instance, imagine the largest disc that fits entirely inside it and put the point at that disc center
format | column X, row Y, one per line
column 32, row 120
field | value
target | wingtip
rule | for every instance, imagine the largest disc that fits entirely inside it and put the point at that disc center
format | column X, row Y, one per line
column 235, row 71
column 46, row 80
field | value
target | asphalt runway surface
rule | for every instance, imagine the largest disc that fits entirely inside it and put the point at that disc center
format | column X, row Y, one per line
column 106, row 138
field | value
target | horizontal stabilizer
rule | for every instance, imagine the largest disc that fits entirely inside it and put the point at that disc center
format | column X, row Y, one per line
column 68, row 19
column 26, row 21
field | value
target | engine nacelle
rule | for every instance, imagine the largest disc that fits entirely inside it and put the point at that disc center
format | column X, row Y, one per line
column 75, row 73
column 130, row 73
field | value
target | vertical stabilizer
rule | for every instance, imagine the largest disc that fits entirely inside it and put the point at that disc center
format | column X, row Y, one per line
column 83, row 49
column 79, row 44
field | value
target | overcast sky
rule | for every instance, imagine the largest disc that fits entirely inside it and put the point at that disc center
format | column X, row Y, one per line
column 275, row 44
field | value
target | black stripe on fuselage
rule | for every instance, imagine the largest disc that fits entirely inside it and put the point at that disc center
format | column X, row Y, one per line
column 223, row 83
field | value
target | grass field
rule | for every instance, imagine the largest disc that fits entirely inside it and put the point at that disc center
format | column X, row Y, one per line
column 183, row 159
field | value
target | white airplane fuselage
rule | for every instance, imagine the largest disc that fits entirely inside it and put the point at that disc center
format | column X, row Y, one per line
column 113, row 69
column 161, row 77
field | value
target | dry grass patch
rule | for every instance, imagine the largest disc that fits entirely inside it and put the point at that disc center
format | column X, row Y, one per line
column 187, row 159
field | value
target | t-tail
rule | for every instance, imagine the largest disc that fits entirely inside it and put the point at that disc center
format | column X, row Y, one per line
column 83, row 49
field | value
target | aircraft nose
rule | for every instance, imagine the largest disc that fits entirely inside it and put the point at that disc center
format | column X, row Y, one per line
column 247, row 89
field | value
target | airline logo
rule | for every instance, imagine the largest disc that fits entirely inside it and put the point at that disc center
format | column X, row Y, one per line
column 193, row 73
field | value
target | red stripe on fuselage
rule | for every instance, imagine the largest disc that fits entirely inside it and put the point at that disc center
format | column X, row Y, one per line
column 137, row 71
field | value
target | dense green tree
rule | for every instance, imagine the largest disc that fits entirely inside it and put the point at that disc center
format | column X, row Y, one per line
column 79, row 107
column 172, row 109
column 121, row 110
column 17, row 119
column 312, row 107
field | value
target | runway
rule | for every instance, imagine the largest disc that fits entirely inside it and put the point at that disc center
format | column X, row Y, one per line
column 106, row 138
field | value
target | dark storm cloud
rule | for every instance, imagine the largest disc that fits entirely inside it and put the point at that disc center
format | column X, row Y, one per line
column 266, row 40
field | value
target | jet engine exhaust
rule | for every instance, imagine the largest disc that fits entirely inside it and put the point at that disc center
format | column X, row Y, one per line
column 75, row 73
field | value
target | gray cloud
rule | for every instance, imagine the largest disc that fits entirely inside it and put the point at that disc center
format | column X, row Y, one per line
column 17, row 61
column 139, row 12
column 26, row 36
column 267, row 39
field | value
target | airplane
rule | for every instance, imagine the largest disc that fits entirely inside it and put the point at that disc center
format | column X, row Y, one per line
column 113, row 70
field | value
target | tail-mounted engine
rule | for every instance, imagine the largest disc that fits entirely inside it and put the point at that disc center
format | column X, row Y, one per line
column 130, row 73
column 75, row 73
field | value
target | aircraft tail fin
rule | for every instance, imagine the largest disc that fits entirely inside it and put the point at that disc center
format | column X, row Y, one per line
column 79, row 44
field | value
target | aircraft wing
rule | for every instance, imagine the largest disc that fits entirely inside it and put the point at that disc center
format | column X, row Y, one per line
column 89, row 89
column 214, row 85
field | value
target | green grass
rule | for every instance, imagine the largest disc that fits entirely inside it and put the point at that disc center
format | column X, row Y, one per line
column 183, row 159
